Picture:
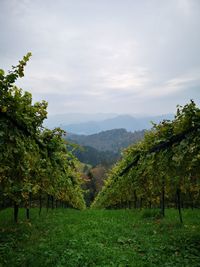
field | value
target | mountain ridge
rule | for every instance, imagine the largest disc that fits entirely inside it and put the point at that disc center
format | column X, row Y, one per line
column 127, row 122
column 111, row 140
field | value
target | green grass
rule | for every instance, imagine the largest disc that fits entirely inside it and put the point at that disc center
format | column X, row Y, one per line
column 119, row 238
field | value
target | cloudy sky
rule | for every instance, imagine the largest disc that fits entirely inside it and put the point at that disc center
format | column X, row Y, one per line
column 119, row 56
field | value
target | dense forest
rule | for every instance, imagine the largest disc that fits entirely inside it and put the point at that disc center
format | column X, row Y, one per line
column 104, row 148
column 112, row 140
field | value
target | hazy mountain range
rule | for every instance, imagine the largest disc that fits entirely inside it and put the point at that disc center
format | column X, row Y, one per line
column 58, row 120
column 87, row 124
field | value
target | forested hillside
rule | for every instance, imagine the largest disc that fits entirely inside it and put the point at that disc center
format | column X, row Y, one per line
column 113, row 140
column 104, row 148
column 94, row 157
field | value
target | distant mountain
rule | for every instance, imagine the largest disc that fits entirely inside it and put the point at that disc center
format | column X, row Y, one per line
column 58, row 120
column 111, row 140
column 127, row 122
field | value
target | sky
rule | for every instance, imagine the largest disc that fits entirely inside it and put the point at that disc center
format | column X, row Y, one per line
column 105, row 56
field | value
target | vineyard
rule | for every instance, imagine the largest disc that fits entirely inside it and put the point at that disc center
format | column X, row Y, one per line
column 156, row 184
column 160, row 171
column 35, row 165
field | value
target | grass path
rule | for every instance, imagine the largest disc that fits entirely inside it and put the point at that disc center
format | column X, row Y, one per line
column 117, row 238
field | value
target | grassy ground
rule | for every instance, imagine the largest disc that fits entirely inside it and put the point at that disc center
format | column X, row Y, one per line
column 118, row 238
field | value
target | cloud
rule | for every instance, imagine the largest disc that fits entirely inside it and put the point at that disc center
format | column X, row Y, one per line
column 115, row 56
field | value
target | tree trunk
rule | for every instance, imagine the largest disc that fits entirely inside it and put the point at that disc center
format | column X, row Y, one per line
column 16, row 211
column 163, row 198
column 150, row 203
column 28, row 207
column 52, row 202
column 135, row 199
column 40, row 207
column 191, row 204
column 3, row 202
column 48, row 202
column 27, row 213
column 30, row 199
column 141, row 201
column 178, row 193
